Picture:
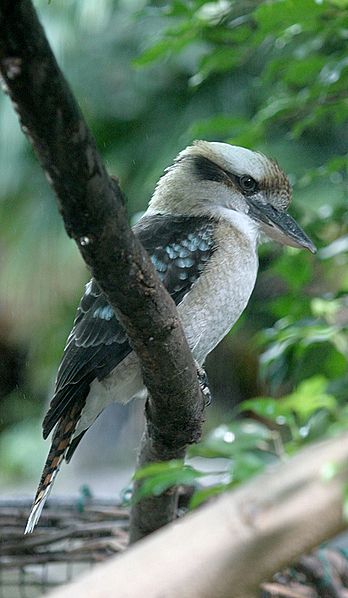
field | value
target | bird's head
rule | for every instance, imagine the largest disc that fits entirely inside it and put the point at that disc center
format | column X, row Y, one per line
column 217, row 179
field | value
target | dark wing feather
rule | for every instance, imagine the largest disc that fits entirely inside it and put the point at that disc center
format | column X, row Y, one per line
column 179, row 248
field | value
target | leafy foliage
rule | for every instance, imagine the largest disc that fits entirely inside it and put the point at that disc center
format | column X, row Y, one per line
column 298, row 49
column 287, row 63
column 245, row 447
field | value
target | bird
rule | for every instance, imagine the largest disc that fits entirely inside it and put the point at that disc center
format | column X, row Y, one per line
column 208, row 213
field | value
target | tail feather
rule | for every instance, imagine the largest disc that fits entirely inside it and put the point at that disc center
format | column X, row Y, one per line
column 60, row 444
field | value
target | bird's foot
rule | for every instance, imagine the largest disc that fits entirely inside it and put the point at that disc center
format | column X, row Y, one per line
column 203, row 383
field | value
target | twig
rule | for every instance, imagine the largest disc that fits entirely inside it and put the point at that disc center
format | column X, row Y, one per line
column 70, row 532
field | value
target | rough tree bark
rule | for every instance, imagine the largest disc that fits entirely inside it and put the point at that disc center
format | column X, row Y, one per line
column 94, row 214
column 228, row 548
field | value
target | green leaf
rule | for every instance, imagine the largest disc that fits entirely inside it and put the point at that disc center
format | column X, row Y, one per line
column 317, row 425
column 159, row 477
column 262, row 406
column 309, row 397
column 295, row 268
column 172, row 44
column 339, row 3
column 203, row 494
column 229, row 440
column 220, row 125
column 153, row 469
column 275, row 17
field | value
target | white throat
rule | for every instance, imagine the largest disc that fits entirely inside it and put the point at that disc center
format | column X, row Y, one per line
column 245, row 225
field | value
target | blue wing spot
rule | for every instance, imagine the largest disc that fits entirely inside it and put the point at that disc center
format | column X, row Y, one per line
column 104, row 313
column 184, row 252
column 172, row 254
column 193, row 245
column 186, row 262
column 159, row 264
column 203, row 245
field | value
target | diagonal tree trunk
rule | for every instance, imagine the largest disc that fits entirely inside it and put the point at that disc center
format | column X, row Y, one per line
column 92, row 207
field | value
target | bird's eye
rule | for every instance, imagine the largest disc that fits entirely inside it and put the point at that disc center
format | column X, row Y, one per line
column 247, row 184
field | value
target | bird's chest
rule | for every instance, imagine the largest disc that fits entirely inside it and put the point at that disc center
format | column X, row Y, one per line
column 221, row 293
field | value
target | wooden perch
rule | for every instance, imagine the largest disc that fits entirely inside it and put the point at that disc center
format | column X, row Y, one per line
column 92, row 207
column 227, row 548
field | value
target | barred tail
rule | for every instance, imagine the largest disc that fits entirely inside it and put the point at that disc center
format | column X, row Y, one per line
column 60, row 444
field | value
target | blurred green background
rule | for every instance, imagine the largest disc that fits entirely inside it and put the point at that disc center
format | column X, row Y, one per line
column 150, row 77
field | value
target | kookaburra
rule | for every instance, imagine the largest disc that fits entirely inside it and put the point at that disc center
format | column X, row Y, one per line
column 201, row 230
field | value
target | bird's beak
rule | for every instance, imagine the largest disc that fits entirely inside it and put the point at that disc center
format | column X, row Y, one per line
column 279, row 225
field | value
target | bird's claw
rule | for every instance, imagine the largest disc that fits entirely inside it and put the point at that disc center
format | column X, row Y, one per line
column 203, row 383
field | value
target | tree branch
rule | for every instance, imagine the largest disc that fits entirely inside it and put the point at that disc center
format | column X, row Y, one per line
column 230, row 546
column 94, row 214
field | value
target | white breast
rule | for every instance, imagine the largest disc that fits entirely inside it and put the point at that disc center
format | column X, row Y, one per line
column 221, row 294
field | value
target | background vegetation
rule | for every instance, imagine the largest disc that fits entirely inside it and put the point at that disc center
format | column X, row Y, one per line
column 151, row 77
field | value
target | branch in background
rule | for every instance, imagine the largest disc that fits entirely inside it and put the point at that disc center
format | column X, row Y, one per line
column 228, row 548
column 94, row 214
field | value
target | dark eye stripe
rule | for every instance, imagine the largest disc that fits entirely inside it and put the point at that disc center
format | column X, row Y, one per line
column 206, row 170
